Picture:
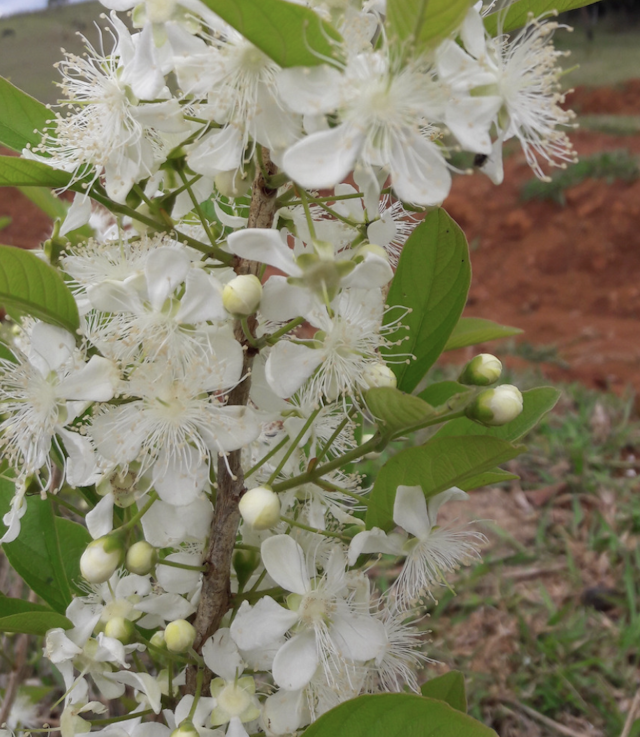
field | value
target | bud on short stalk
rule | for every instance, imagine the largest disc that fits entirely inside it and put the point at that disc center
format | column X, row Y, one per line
column 378, row 375
column 185, row 729
column 260, row 508
column 102, row 558
column 497, row 406
column 120, row 629
column 242, row 295
column 482, row 370
column 179, row 636
column 141, row 558
column 245, row 563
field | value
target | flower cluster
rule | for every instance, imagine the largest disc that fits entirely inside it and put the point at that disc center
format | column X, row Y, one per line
column 217, row 387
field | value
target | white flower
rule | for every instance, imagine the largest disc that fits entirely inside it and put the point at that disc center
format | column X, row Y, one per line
column 328, row 627
column 385, row 120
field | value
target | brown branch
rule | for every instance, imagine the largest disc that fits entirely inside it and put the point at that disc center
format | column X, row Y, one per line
column 215, row 598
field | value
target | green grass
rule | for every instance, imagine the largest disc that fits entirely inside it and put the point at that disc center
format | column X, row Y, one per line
column 607, row 165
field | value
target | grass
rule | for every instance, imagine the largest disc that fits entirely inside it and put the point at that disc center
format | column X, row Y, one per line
column 607, row 165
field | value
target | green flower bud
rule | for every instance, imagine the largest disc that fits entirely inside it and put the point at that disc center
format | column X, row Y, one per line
column 179, row 636
column 245, row 563
column 378, row 375
column 121, row 629
column 185, row 729
column 497, row 406
column 242, row 295
column 482, row 370
column 141, row 558
column 102, row 558
column 260, row 508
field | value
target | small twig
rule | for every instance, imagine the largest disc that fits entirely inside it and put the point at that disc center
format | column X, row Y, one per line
column 626, row 731
column 556, row 726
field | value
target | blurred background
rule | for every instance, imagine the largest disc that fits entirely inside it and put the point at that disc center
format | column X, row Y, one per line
column 547, row 628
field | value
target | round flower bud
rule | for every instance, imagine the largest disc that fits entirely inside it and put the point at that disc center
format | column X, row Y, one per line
column 245, row 563
column 242, row 295
column 157, row 640
column 496, row 406
column 179, row 636
column 141, row 558
column 185, row 729
column 378, row 375
column 482, row 370
column 121, row 629
column 260, row 508
column 101, row 558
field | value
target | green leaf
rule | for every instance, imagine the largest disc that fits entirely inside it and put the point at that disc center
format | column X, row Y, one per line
column 17, row 615
column 435, row 466
column 290, row 34
column 44, row 199
column 448, row 688
column 5, row 222
column 516, row 16
column 432, row 280
column 441, row 392
column 75, row 538
column 537, row 402
column 424, row 22
column 20, row 117
column 16, row 172
column 488, row 478
column 30, row 285
column 36, row 554
column 396, row 715
column 6, row 353
column 474, row 330
column 396, row 410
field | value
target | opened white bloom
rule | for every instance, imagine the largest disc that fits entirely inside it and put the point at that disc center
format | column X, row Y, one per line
column 43, row 392
column 328, row 628
column 385, row 120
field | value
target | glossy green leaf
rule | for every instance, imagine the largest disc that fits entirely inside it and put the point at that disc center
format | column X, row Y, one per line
column 449, row 688
column 441, row 392
column 21, row 117
column 432, row 280
column 435, row 466
column 536, row 404
column 519, row 11
column 424, row 22
column 31, row 286
column 474, row 330
column 36, row 555
column 397, row 411
column 17, row 615
column 396, row 715
column 488, row 478
column 16, row 172
column 290, row 34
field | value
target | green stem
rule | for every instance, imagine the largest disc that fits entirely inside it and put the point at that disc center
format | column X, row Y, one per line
column 266, row 457
column 196, row 696
column 58, row 500
column 293, row 446
column 335, row 215
column 317, row 472
column 184, row 566
column 332, row 487
column 291, row 325
column 335, row 435
column 253, row 595
column 115, row 720
column 434, row 420
column 308, row 528
column 197, row 208
column 307, row 213
column 247, row 332
column 140, row 192
column 153, row 496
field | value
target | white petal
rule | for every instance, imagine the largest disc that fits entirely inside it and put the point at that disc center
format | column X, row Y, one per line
column 374, row 271
column 283, row 712
column 166, row 116
column 473, row 34
column 180, row 477
column 382, row 231
column 219, row 150
column 51, row 347
column 100, row 519
column 419, row 172
column 231, row 221
column 165, row 269
column 78, row 214
column 259, row 625
column 493, row 167
column 289, row 365
column 310, row 90
column 282, row 301
column 142, row 72
column 82, row 468
column 265, row 245
column 410, row 511
column 179, row 580
column 221, row 655
column 358, row 637
column 324, row 159
column 285, row 562
column 371, row 541
column 94, row 382
column 296, row 662
column 165, row 525
column 454, row 494
column 143, row 682
column 470, row 119
column 114, row 296
column 234, row 427
column 202, row 299
column 235, row 728
column 168, row 606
